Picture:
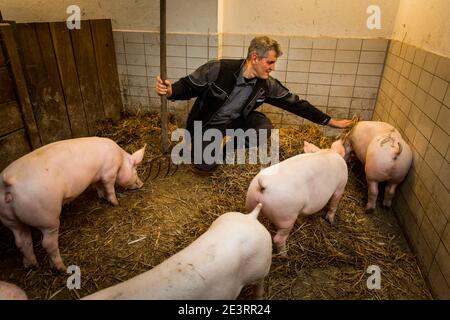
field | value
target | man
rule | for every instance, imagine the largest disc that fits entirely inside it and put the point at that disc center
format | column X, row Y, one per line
column 228, row 92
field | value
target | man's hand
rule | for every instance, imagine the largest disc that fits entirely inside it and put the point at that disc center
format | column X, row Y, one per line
column 163, row 88
column 344, row 123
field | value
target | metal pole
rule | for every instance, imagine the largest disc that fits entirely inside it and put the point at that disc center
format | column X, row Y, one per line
column 163, row 74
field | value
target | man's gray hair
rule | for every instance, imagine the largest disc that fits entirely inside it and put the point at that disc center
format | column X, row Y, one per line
column 262, row 45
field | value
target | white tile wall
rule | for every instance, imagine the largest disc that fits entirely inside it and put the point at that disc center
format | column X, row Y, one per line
column 412, row 97
column 339, row 76
column 138, row 62
column 349, row 44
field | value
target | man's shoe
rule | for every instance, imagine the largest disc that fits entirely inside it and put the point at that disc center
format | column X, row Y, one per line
column 206, row 171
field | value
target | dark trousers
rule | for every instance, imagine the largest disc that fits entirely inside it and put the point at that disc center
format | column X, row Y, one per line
column 255, row 120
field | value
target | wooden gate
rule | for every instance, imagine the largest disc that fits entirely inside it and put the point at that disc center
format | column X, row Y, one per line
column 56, row 83
column 18, row 130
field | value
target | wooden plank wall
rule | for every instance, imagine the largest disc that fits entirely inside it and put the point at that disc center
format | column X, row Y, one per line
column 44, row 85
column 13, row 136
column 71, row 78
column 83, row 49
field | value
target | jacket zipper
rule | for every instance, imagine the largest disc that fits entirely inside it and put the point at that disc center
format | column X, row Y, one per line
column 212, row 117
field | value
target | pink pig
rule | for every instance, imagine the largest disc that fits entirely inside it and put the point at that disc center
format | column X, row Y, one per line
column 235, row 251
column 9, row 291
column 301, row 185
column 385, row 155
column 34, row 187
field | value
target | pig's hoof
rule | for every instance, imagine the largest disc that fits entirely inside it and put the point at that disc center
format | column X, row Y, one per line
column 30, row 265
column 60, row 267
column 370, row 210
column 327, row 218
column 114, row 202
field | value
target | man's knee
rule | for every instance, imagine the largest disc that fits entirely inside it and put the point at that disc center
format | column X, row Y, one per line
column 198, row 155
column 264, row 131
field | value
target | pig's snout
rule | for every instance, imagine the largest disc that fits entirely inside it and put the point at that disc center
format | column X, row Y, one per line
column 136, row 185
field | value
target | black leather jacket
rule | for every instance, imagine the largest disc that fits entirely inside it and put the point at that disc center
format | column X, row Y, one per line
column 213, row 82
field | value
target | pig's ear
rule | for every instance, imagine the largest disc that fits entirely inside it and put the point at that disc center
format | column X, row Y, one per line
column 138, row 155
column 338, row 147
column 309, row 147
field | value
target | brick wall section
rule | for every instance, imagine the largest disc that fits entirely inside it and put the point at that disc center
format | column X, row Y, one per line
column 339, row 76
column 414, row 96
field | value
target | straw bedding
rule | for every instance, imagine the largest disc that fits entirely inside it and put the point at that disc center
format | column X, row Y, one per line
column 112, row 244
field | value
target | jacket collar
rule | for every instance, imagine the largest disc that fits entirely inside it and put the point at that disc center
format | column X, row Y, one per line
column 239, row 76
column 239, row 70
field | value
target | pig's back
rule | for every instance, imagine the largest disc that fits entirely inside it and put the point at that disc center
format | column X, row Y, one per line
column 209, row 268
column 67, row 159
column 362, row 135
column 64, row 151
column 314, row 168
column 220, row 262
column 305, row 181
